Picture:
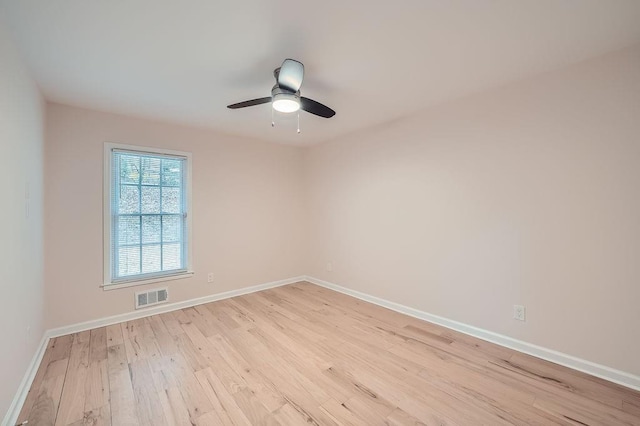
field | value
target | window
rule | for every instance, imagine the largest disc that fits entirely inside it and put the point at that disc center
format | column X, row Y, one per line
column 147, row 220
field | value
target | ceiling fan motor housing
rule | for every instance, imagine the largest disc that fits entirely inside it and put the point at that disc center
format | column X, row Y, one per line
column 277, row 90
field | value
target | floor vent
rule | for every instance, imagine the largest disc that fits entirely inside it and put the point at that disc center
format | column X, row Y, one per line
column 151, row 297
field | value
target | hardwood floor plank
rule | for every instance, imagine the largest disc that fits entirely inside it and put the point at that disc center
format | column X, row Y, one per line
column 287, row 415
column 400, row 418
column 303, row 354
column 122, row 399
column 98, row 344
column 58, row 349
column 303, row 370
column 157, row 325
column 176, row 375
column 96, row 387
column 148, row 404
column 175, row 410
column 114, row 335
column 73, row 393
column 96, row 417
column 631, row 408
column 171, row 323
column 341, row 414
column 216, row 401
column 137, row 328
column 46, row 405
column 235, row 313
column 577, row 382
column 166, row 344
column 251, row 372
column 367, row 409
column 203, row 319
column 221, row 398
column 252, row 408
column 211, row 419
column 223, row 316
column 193, row 355
column 484, row 399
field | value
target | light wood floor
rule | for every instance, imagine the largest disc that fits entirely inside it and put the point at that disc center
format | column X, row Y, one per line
column 302, row 354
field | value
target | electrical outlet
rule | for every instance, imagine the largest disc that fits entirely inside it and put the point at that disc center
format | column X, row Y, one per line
column 210, row 277
column 519, row 312
column 329, row 266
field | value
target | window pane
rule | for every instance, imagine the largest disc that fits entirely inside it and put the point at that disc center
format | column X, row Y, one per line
column 151, row 258
column 150, row 199
column 128, row 230
column 171, row 229
column 148, row 205
column 129, row 169
column 171, row 200
column 150, row 229
column 171, row 172
column 171, row 257
column 129, row 200
column 128, row 261
column 150, row 171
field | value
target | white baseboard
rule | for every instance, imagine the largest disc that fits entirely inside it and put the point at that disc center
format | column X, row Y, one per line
column 16, row 405
column 616, row 376
column 159, row 309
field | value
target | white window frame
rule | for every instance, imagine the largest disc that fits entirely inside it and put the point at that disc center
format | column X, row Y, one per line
column 108, row 283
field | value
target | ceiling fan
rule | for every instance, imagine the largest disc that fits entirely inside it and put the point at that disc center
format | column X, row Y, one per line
column 285, row 95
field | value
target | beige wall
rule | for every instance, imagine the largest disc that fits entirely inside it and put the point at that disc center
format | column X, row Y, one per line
column 524, row 195
column 247, row 211
column 21, row 263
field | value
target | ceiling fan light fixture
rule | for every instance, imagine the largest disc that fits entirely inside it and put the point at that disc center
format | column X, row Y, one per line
column 285, row 95
column 286, row 102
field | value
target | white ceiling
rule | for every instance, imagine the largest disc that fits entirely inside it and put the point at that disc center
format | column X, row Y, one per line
column 371, row 61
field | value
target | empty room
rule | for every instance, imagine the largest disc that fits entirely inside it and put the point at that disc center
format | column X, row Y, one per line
column 421, row 212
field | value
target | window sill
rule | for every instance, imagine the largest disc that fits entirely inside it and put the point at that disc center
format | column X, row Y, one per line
column 183, row 275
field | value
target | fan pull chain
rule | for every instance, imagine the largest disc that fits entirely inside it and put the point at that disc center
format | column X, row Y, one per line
column 298, row 121
column 273, row 123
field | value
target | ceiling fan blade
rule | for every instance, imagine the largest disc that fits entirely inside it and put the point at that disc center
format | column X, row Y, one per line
column 252, row 102
column 316, row 108
column 290, row 75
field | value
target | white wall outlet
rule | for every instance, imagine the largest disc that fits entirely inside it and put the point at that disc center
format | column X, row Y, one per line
column 329, row 266
column 210, row 277
column 519, row 312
